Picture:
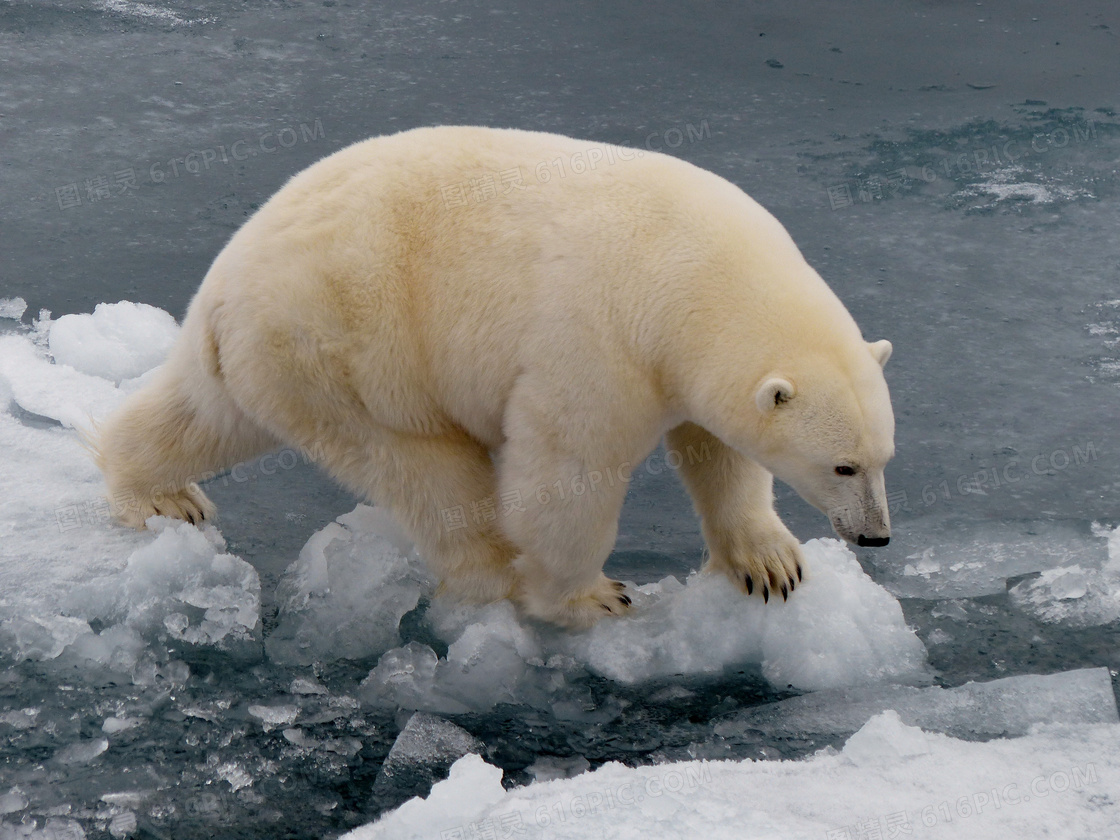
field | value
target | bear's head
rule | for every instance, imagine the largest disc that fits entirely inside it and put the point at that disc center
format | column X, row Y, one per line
column 826, row 428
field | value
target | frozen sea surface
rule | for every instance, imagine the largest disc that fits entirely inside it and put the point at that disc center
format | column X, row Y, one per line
column 950, row 169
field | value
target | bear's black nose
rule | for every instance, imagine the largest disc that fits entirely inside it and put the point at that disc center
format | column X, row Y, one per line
column 872, row 542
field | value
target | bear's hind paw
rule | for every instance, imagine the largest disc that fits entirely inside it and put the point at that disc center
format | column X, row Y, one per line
column 189, row 504
column 582, row 611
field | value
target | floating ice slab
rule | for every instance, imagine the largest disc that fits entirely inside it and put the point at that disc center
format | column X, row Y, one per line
column 890, row 780
column 921, row 562
column 117, row 341
column 1074, row 595
column 1009, row 706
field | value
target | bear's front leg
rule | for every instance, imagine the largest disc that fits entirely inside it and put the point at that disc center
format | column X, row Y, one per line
column 734, row 497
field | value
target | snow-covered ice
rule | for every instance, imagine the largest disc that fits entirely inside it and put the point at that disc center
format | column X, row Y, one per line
column 842, row 629
column 65, row 567
column 56, row 392
column 117, row 341
column 471, row 787
column 890, row 779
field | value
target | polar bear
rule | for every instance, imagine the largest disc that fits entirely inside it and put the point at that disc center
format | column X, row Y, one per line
column 485, row 330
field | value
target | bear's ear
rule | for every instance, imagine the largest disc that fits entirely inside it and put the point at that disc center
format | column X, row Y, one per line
column 881, row 350
column 772, row 393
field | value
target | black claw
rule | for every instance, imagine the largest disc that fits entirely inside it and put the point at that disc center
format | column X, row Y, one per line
column 792, row 585
column 785, row 593
column 750, row 585
column 799, row 571
column 617, row 584
column 625, row 599
column 608, row 609
column 766, row 594
column 190, row 518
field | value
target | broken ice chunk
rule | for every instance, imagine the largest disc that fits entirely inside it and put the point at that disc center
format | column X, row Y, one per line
column 1073, row 595
column 884, row 739
column 427, row 746
column 300, row 738
column 83, row 752
column 13, row 801
column 113, row 725
column 39, row 637
column 273, row 716
column 302, row 685
column 345, row 595
column 233, row 773
column 20, row 718
column 405, row 678
column 12, row 308
column 123, row 824
column 183, row 572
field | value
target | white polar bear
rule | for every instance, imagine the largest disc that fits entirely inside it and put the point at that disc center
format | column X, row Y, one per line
column 484, row 330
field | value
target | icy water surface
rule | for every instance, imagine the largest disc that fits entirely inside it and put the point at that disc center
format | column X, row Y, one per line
column 959, row 193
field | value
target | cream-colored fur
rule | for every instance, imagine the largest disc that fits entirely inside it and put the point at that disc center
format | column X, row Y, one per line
column 471, row 359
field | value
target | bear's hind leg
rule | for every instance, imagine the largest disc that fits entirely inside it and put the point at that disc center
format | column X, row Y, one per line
column 734, row 497
column 179, row 430
column 565, row 538
column 441, row 488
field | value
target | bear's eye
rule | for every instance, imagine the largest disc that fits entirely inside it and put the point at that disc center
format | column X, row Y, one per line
column 844, row 469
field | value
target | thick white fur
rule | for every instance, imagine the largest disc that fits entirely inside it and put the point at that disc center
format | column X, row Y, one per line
column 439, row 355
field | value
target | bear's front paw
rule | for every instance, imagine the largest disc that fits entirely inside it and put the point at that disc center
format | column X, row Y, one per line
column 579, row 611
column 767, row 566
